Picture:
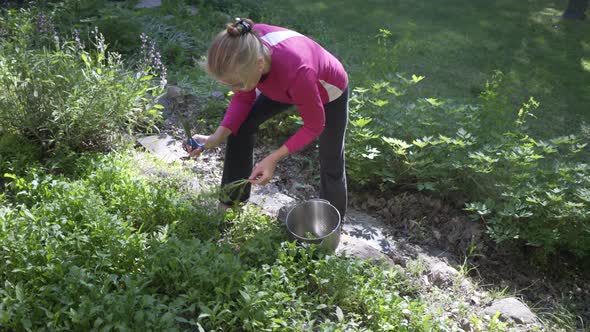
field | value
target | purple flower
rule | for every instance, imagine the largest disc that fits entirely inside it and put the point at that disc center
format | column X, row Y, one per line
column 152, row 59
column 44, row 25
column 77, row 41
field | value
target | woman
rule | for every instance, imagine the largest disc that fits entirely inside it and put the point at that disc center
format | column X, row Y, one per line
column 270, row 68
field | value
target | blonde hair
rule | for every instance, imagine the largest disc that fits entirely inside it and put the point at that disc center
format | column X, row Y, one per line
column 235, row 50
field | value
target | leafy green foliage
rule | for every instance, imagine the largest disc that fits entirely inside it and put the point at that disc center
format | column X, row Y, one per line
column 107, row 248
column 65, row 97
column 523, row 188
column 303, row 290
column 178, row 48
column 121, row 29
column 70, row 12
column 81, row 252
column 256, row 236
column 17, row 160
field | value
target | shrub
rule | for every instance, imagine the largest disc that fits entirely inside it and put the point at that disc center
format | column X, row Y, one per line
column 65, row 97
column 17, row 160
column 523, row 187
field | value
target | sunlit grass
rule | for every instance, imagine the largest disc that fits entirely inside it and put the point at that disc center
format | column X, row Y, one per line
column 457, row 46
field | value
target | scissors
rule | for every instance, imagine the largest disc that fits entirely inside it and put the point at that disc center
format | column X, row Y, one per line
column 193, row 143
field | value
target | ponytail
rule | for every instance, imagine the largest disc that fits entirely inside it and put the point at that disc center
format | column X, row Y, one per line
column 235, row 49
column 240, row 28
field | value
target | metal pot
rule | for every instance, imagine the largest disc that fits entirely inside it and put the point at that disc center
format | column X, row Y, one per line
column 315, row 221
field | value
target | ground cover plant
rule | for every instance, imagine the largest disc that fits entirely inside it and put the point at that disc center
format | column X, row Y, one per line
column 91, row 244
column 106, row 248
column 522, row 187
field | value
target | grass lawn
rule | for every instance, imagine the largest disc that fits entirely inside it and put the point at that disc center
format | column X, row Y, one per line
column 457, row 45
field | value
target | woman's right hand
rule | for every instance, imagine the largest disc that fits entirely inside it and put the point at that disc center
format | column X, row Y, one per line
column 195, row 152
column 209, row 142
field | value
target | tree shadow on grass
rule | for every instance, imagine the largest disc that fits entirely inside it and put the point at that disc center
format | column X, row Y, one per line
column 458, row 46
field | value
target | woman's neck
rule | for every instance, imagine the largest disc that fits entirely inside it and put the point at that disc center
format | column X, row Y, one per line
column 267, row 65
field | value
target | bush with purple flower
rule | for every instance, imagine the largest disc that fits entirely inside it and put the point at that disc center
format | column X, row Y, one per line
column 68, row 95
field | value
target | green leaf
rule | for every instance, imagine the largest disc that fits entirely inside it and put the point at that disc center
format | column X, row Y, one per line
column 28, row 214
column 203, row 315
column 426, row 186
column 416, row 79
column 371, row 153
column 339, row 314
column 361, row 122
column 20, row 294
column 395, row 92
column 380, row 85
column 396, row 142
column 434, row 102
column 10, row 176
column 86, row 60
column 584, row 194
column 379, row 102
column 246, row 296
column 423, row 142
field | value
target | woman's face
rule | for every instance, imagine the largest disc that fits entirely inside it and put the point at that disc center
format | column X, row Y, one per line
column 247, row 81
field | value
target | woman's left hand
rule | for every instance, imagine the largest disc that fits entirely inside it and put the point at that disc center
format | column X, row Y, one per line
column 263, row 171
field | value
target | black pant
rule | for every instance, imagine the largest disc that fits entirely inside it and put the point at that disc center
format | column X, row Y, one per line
column 240, row 147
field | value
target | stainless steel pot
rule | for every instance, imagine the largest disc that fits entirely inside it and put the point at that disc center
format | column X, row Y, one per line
column 315, row 221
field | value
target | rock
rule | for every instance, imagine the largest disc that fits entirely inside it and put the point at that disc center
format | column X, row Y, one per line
column 164, row 147
column 275, row 205
column 149, row 4
column 173, row 92
column 441, row 274
column 217, row 95
column 165, row 102
column 466, row 325
column 372, row 202
column 169, row 99
column 436, row 234
column 466, row 286
column 363, row 226
column 358, row 248
column 512, row 308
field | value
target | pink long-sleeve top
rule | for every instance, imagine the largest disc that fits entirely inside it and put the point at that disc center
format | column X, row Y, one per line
column 302, row 73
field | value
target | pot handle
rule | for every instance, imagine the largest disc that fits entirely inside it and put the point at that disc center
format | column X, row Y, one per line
column 319, row 200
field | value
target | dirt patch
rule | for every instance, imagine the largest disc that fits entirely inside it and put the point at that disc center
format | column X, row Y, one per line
column 550, row 285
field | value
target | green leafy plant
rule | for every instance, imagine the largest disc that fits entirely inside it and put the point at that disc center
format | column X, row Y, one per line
column 65, row 97
column 106, row 248
column 523, row 188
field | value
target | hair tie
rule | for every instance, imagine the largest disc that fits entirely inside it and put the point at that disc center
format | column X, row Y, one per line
column 245, row 26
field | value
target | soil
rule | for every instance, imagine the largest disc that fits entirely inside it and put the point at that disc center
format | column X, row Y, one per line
column 548, row 285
